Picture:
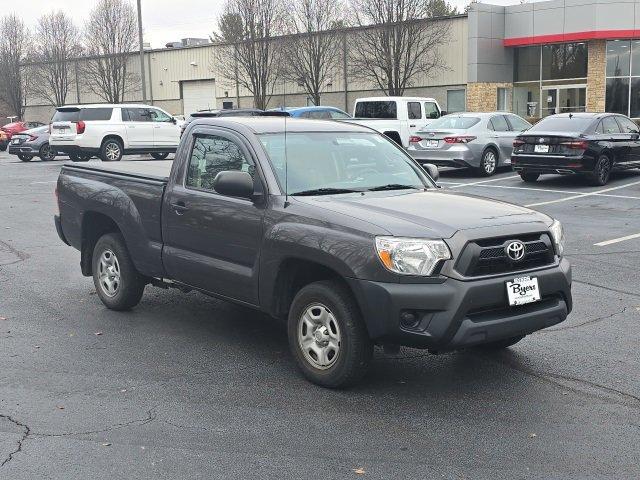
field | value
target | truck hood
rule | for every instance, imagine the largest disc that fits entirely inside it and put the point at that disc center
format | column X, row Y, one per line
column 432, row 213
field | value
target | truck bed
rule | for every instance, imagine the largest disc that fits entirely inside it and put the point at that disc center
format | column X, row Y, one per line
column 158, row 170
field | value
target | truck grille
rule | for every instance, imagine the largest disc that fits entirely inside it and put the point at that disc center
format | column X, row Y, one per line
column 489, row 256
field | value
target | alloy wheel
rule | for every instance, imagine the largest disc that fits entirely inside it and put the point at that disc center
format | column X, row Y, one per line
column 490, row 161
column 319, row 336
column 112, row 151
column 109, row 273
column 604, row 169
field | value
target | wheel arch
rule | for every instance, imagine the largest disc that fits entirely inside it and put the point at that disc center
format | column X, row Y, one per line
column 94, row 225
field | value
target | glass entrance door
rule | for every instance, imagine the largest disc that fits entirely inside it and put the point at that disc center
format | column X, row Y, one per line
column 563, row 99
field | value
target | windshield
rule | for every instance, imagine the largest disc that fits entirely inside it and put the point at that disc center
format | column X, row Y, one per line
column 343, row 161
column 454, row 122
column 562, row 124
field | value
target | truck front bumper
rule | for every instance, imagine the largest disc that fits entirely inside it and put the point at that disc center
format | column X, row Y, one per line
column 455, row 314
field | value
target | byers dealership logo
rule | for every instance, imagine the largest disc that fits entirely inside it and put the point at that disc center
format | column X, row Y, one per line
column 515, row 250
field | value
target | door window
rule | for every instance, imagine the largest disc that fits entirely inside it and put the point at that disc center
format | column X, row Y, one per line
column 136, row 115
column 159, row 116
column 518, row 124
column 499, row 124
column 609, row 125
column 431, row 110
column 211, row 155
column 336, row 115
column 317, row 114
column 415, row 112
column 628, row 126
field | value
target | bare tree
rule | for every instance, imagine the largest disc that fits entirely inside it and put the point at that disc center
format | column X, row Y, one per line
column 111, row 34
column 14, row 46
column 57, row 42
column 313, row 55
column 397, row 42
column 251, row 56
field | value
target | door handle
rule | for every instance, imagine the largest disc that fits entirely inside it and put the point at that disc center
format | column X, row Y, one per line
column 179, row 207
column 412, row 126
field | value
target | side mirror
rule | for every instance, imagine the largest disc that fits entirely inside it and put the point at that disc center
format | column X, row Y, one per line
column 635, row 135
column 443, row 113
column 234, row 184
column 174, row 120
column 432, row 170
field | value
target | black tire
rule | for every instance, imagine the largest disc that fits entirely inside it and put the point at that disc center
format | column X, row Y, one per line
column 488, row 163
column 3, row 148
column 160, row 156
column 78, row 158
column 46, row 153
column 111, row 150
column 353, row 357
column 127, row 289
column 500, row 344
column 24, row 157
column 601, row 171
column 529, row 177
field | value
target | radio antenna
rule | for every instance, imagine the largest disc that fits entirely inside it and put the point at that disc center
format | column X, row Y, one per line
column 286, row 165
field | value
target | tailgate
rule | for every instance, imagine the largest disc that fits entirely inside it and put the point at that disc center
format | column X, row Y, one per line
column 63, row 131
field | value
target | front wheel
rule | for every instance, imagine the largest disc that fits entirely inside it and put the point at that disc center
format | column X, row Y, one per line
column 117, row 282
column 24, row 157
column 111, row 150
column 488, row 163
column 160, row 156
column 46, row 153
column 327, row 335
column 601, row 172
column 529, row 177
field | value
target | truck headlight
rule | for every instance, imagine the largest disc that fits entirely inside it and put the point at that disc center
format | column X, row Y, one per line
column 411, row 256
column 557, row 233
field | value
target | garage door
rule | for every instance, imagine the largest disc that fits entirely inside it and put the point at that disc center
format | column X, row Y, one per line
column 198, row 95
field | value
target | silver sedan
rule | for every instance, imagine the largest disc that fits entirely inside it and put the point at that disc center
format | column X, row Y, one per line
column 482, row 141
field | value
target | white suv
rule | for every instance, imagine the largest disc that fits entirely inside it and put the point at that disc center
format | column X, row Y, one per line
column 111, row 131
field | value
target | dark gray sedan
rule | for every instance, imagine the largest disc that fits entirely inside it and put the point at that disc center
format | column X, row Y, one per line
column 482, row 141
column 32, row 143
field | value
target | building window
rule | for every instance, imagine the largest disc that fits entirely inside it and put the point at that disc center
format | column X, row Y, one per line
column 455, row 101
column 527, row 64
column 503, row 100
column 623, row 77
column 564, row 60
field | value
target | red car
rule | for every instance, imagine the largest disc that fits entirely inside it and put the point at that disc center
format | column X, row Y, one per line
column 11, row 129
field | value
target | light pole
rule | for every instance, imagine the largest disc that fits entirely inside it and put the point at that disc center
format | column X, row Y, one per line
column 140, row 40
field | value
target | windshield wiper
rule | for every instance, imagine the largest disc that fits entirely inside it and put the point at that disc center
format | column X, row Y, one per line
column 393, row 186
column 324, row 191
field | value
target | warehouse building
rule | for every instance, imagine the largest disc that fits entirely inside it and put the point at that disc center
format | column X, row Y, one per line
column 534, row 59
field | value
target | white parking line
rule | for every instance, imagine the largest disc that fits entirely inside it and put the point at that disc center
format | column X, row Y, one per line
column 484, row 181
column 617, row 240
column 582, row 195
column 565, row 192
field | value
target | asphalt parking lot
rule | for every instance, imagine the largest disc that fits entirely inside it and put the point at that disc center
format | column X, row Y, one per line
column 186, row 386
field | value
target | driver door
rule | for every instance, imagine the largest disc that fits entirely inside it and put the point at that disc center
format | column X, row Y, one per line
column 212, row 241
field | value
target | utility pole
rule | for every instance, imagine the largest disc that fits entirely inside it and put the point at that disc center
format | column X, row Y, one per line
column 140, row 40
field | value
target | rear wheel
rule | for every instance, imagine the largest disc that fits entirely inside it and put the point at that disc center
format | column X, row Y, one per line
column 117, row 282
column 602, row 171
column 111, row 150
column 46, row 153
column 529, row 177
column 488, row 163
column 327, row 335
column 160, row 156
column 24, row 157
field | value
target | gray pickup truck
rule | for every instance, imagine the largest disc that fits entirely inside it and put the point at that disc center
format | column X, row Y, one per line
column 326, row 225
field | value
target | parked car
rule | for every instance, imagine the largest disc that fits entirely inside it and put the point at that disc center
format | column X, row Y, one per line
column 481, row 141
column 221, row 112
column 4, row 141
column 314, row 112
column 341, row 234
column 12, row 128
column 397, row 117
column 32, row 143
column 588, row 144
column 111, row 131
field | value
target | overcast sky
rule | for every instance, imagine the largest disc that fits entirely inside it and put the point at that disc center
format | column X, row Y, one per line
column 163, row 20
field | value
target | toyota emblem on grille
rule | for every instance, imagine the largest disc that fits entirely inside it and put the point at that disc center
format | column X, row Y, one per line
column 515, row 250
column 541, row 140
